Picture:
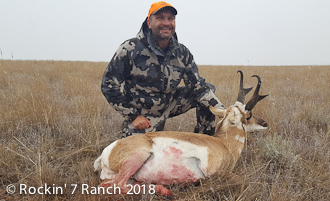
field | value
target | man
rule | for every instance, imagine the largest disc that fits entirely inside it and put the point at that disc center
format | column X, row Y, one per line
column 149, row 68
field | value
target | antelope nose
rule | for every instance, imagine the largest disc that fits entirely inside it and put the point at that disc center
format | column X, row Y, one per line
column 232, row 121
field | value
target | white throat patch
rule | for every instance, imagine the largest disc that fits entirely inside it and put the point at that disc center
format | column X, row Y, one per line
column 241, row 139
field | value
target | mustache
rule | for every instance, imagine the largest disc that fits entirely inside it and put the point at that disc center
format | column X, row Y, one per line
column 169, row 26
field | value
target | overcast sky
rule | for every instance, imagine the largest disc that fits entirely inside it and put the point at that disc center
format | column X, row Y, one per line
column 219, row 32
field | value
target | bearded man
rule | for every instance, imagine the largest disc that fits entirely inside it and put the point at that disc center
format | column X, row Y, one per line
column 142, row 79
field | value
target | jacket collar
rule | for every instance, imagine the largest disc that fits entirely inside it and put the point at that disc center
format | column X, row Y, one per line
column 146, row 37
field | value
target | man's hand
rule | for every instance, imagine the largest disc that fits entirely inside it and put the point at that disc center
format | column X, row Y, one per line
column 141, row 123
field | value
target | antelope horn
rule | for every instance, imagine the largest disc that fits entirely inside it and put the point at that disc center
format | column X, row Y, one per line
column 242, row 92
column 256, row 97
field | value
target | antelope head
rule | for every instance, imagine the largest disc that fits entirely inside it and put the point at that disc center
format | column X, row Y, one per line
column 239, row 116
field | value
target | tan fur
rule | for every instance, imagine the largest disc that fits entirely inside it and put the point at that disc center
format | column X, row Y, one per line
column 223, row 143
column 125, row 149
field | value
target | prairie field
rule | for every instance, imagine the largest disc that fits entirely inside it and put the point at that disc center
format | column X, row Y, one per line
column 54, row 122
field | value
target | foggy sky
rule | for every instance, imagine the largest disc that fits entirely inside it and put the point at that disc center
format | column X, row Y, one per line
column 225, row 32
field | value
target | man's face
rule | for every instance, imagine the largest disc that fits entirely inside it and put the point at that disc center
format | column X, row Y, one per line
column 162, row 24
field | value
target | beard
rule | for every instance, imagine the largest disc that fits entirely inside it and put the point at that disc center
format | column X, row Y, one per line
column 163, row 33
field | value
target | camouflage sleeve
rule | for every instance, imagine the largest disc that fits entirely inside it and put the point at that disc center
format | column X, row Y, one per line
column 115, row 74
column 204, row 91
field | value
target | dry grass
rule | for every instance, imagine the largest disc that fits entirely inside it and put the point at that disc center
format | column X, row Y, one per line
column 54, row 123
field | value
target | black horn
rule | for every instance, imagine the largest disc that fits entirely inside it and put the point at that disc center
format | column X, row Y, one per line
column 256, row 97
column 242, row 92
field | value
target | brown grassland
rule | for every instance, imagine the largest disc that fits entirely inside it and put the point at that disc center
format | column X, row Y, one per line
column 54, row 122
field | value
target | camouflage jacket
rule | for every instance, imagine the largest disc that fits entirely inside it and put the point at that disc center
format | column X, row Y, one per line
column 150, row 76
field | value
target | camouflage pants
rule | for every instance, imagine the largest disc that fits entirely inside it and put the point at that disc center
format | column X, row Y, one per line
column 183, row 101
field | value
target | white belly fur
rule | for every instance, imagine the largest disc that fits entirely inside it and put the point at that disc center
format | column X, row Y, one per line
column 173, row 161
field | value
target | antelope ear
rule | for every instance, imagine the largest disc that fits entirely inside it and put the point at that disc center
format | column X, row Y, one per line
column 248, row 115
column 218, row 112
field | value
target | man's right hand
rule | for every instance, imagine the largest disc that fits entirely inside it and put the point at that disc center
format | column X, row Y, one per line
column 141, row 123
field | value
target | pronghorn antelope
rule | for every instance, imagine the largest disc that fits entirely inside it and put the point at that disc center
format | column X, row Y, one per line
column 171, row 157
